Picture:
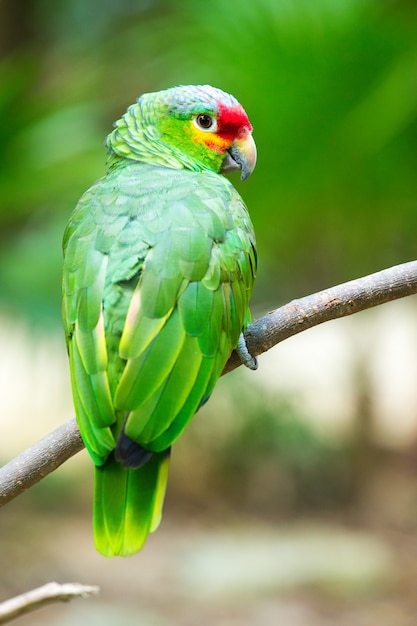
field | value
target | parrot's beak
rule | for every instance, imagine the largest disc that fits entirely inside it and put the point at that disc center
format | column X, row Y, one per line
column 241, row 156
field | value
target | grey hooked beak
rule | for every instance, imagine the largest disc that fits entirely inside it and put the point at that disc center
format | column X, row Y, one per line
column 241, row 156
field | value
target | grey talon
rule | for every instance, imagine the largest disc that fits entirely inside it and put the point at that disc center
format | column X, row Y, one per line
column 244, row 355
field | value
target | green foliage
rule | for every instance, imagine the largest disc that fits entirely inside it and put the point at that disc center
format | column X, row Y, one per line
column 274, row 462
column 329, row 87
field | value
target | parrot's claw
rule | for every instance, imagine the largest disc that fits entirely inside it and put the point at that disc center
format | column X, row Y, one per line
column 244, row 355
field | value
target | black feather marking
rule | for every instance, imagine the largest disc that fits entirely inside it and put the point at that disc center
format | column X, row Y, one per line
column 255, row 256
column 203, row 402
column 129, row 453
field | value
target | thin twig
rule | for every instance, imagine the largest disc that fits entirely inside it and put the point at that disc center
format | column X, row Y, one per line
column 357, row 295
column 34, row 599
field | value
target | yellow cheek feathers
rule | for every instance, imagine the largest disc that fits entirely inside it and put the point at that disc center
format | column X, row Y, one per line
column 210, row 140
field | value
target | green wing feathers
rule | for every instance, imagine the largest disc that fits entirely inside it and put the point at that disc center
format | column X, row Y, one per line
column 83, row 285
column 156, row 292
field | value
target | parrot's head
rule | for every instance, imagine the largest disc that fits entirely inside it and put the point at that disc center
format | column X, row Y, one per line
column 196, row 127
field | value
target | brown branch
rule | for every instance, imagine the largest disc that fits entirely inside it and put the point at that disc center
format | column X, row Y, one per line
column 351, row 297
column 39, row 460
column 34, row 599
column 340, row 301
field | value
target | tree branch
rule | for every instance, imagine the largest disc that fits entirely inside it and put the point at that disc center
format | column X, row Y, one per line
column 39, row 460
column 340, row 301
column 345, row 299
column 34, row 599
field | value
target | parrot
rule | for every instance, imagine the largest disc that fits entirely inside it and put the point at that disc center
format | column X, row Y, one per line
column 159, row 266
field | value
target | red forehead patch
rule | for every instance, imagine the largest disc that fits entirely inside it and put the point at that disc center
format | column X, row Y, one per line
column 231, row 121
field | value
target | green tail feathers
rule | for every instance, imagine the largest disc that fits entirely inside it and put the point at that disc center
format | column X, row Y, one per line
column 128, row 504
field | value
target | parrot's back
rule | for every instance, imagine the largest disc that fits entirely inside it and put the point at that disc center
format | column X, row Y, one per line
column 158, row 272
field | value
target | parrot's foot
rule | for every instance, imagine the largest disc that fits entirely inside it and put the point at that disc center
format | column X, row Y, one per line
column 244, row 355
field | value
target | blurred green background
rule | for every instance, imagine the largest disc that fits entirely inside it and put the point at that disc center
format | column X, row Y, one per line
column 331, row 89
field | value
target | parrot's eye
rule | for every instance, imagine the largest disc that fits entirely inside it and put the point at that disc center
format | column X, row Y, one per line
column 205, row 122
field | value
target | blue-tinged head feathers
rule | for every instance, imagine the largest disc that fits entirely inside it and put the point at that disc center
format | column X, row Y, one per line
column 191, row 126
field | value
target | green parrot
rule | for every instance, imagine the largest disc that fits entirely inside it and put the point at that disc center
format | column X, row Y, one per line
column 159, row 265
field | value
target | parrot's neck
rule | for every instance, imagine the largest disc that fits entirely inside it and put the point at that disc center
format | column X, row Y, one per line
column 138, row 139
